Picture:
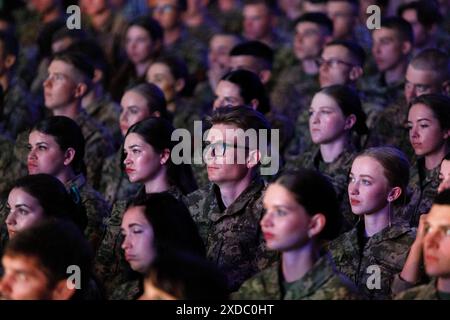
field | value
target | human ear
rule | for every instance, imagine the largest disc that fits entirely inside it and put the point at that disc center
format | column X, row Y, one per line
column 394, row 194
column 165, row 155
column 350, row 122
column 316, row 225
column 253, row 158
column 69, row 155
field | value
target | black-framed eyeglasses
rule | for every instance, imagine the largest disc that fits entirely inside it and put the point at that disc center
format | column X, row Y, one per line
column 332, row 63
column 217, row 149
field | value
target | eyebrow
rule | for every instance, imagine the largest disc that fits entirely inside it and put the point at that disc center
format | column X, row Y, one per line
column 366, row 176
column 133, row 146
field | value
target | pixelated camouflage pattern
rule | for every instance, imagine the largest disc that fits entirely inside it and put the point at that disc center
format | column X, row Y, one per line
column 424, row 292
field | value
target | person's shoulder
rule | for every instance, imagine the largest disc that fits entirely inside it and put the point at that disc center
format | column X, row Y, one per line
column 264, row 285
column 425, row 291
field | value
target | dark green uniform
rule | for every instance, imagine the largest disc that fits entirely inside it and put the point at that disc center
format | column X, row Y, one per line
column 424, row 292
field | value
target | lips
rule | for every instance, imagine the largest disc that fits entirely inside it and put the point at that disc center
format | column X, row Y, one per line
column 32, row 166
column 11, row 233
column 354, row 202
column 430, row 258
column 416, row 145
column 129, row 170
column 268, row 235
column 130, row 257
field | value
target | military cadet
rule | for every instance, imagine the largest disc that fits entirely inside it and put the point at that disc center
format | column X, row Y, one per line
column 18, row 112
column 425, row 18
column 178, row 40
column 228, row 13
column 147, row 160
column 429, row 131
column 444, row 174
column 139, row 102
column 335, row 115
column 107, row 27
column 199, row 22
column 56, row 146
column 227, row 211
column 301, row 211
column 435, row 251
column 154, row 225
column 36, row 261
column 143, row 43
column 428, row 72
column 376, row 248
column 290, row 11
column 344, row 14
column 392, row 45
column 69, row 79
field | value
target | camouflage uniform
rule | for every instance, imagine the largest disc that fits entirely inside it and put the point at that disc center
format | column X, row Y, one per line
column 110, row 265
column 378, row 91
column 229, row 21
column 130, row 290
column 387, row 250
column 185, row 114
column 96, row 208
column 389, row 128
column 337, row 171
column 321, row 282
column 206, row 30
column 6, row 161
column 107, row 113
column 114, row 183
column 232, row 235
column 424, row 292
column 423, row 185
column 19, row 112
column 98, row 146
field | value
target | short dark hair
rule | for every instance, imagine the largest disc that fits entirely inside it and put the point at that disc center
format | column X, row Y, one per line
column 56, row 245
column 400, row 26
column 435, row 60
column 427, row 12
column 171, row 222
column 356, row 51
column 67, row 134
column 316, row 194
column 152, row 26
column 250, row 87
column 178, row 69
column 443, row 198
column 10, row 44
column 153, row 95
column 439, row 105
column 64, row 32
column 78, row 60
column 318, row 18
column 256, row 49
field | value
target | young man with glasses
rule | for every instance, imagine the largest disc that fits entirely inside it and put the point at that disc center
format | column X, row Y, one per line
column 227, row 211
column 433, row 245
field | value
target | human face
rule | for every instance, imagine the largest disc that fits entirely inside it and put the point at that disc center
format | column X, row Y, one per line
column 368, row 187
column 138, row 45
column 23, row 279
column 420, row 32
column 327, row 123
column 24, row 211
column 160, row 75
column 222, row 169
column 43, row 6
column 387, row 49
column 227, row 94
column 166, row 13
column 419, row 82
column 285, row 223
column 45, row 155
column 142, row 162
column 60, row 88
column 308, row 40
column 335, row 66
column 93, row 7
column 138, row 239
column 343, row 16
column 425, row 133
column 134, row 108
column 245, row 62
column 257, row 21
column 218, row 54
column 444, row 176
column 437, row 241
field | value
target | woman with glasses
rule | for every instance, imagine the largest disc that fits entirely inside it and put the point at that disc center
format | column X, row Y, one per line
column 375, row 249
column 336, row 123
column 429, row 131
column 301, row 213
column 147, row 160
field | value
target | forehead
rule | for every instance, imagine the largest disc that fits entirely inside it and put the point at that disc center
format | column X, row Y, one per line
column 132, row 98
column 365, row 165
column 23, row 263
column 222, row 40
column 385, row 33
column 410, row 15
column 420, row 110
column 415, row 75
column 256, row 9
column 244, row 60
column 227, row 87
column 37, row 136
column 159, row 68
column 134, row 215
column 439, row 214
column 277, row 193
column 341, row 6
column 306, row 25
column 18, row 195
column 59, row 66
column 137, row 31
column 323, row 100
column 132, row 139
column 336, row 51
column 223, row 132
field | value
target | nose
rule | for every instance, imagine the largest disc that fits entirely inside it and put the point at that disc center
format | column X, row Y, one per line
column 314, row 118
column 10, row 219
column 127, row 159
column 432, row 239
column 32, row 154
column 413, row 132
column 126, row 244
column 266, row 221
column 5, row 287
column 410, row 93
column 47, row 82
column 353, row 188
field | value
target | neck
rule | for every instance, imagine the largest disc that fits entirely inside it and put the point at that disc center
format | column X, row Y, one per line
column 141, row 68
column 66, row 175
column 377, row 221
column 171, row 35
column 71, row 111
column 310, row 66
column 443, row 284
column 397, row 74
column 230, row 191
column 330, row 151
column 98, row 20
column 159, row 183
column 296, row 263
column 434, row 160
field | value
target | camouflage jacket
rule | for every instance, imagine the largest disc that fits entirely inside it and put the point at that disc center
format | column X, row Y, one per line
column 96, row 208
column 114, row 183
column 232, row 235
column 321, row 282
column 372, row 265
column 424, row 292
column 229, row 21
column 423, row 186
column 98, row 146
column 19, row 111
column 110, row 265
column 107, row 113
column 378, row 91
column 130, row 290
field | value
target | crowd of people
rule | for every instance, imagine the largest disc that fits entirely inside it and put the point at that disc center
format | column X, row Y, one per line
column 95, row 204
